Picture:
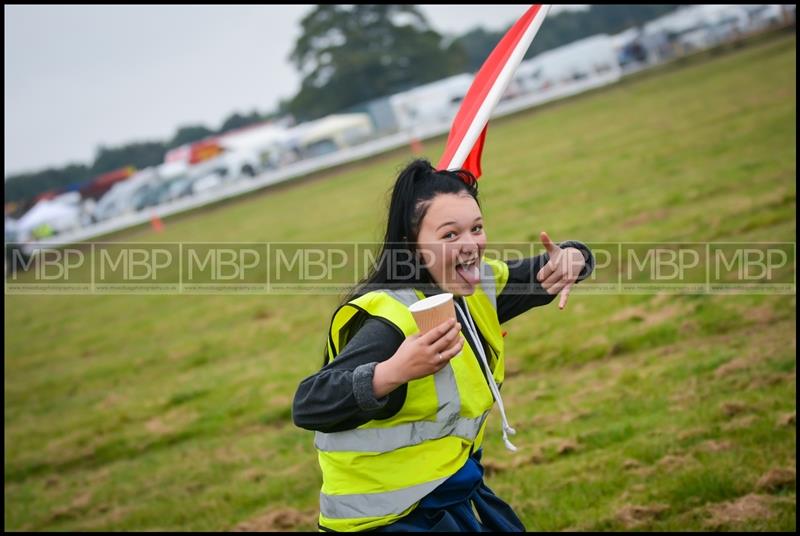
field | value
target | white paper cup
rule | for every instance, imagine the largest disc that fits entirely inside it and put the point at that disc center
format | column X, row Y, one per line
column 432, row 311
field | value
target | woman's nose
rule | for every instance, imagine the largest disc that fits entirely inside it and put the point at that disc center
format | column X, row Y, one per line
column 469, row 245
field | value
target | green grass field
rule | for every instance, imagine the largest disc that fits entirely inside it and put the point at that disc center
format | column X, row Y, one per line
column 633, row 411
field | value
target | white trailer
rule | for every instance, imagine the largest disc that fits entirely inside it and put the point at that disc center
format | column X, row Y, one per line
column 430, row 104
column 330, row 133
column 594, row 57
column 250, row 150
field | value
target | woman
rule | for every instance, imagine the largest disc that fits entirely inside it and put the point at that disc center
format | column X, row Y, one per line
column 400, row 418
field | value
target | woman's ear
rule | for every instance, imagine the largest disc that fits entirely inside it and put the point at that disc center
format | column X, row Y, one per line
column 420, row 258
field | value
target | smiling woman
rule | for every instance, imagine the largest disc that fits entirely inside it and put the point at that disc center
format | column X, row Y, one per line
column 451, row 241
column 399, row 416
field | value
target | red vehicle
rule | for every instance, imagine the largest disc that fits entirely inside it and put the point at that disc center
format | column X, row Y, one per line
column 196, row 152
column 100, row 185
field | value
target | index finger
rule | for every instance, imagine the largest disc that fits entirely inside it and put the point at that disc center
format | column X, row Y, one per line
column 545, row 271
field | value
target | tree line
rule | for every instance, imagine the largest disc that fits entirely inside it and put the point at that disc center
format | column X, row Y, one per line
column 347, row 55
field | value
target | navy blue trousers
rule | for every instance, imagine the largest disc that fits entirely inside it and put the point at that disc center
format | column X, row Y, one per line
column 449, row 508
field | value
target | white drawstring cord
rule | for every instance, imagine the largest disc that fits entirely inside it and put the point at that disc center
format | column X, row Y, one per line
column 507, row 429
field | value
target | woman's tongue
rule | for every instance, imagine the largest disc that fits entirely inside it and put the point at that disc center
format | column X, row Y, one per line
column 470, row 273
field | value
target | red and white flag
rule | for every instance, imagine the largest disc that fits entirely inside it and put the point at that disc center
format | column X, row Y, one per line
column 465, row 142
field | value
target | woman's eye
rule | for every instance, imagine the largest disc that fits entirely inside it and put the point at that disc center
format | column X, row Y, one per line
column 451, row 234
column 477, row 229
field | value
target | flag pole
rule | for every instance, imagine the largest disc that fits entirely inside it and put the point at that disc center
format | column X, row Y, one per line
column 487, row 88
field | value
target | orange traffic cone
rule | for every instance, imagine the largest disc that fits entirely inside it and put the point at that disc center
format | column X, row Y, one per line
column 156, row 223
column 416, row 146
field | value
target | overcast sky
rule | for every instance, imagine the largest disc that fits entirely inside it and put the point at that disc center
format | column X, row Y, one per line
column 77, row 77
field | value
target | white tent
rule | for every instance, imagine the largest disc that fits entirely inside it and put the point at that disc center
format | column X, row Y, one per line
column 254, row 138
column 172, row 169
column 332, row 132
column 257, row 147
column 430, row 104
column 59, row 216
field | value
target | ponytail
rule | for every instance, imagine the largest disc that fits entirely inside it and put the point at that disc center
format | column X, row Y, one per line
column 416, row 186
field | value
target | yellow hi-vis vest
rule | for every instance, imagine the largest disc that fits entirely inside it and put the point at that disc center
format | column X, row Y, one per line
column 377, row 473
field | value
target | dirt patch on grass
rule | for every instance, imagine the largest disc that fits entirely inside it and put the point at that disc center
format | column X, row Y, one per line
column 713, row 445
column 231, row 454
column 170, row 422
column 632, row 516
column 253, row 474
column 777, row 479
column 771, row 380
column 262, row 314
column 566, row 447
column 296, row 470
column 512, row 370
column 647, row 216
column 636, row 467
column 648, row 317
column 787, row 419
column 743, row 509
column 733, row 408
column 635, row 314
column 685, row 399
column 759, row 315
column 68, row 442
column 631, row 464
column 643, row 472
column 689, row 328
column 662, row 314
column 660, row 299
column 732, row 366
column 740, row 422
column 576, row 416
column 530, row 395
column 557, row 418
column 596, row 340
column 112, row 400
column 492, row 467
column 676, row 461
column 75, row 509
column 281, row 519
column 691, row 432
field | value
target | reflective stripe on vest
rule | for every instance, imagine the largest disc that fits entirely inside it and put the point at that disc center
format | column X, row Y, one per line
column 374, row 504
column 487, row 283
column 448, row 422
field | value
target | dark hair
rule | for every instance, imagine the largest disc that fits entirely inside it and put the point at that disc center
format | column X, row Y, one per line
column 411, row 196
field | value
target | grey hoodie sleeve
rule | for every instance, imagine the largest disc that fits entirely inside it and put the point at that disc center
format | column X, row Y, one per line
column 339, row 396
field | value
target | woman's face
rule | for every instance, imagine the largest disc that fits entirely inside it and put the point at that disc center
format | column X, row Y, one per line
column 451, row 242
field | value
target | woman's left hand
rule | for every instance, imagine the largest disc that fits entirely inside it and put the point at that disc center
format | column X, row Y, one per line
column 561, row 271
